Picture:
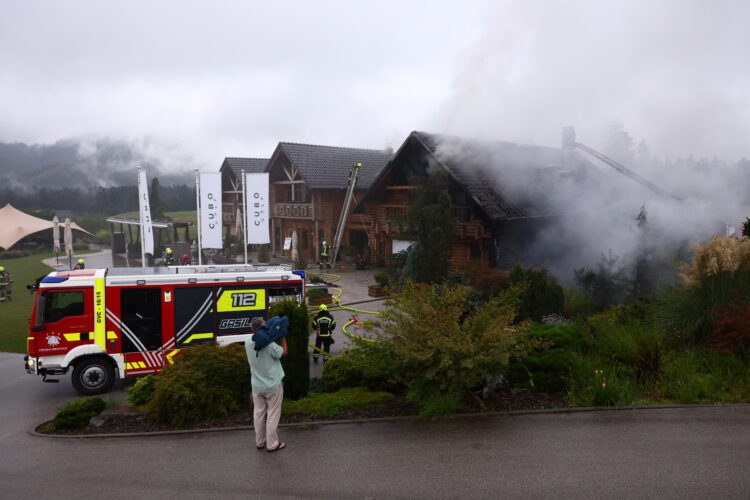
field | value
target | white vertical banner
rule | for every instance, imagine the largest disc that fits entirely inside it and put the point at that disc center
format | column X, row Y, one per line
column 210, row 209
column 147, row 232
column 258, row 209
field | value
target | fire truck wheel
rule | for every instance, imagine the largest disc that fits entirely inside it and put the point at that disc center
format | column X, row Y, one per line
column 93, row 376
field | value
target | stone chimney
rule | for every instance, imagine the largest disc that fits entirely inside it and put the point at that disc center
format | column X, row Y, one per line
column 568, row 138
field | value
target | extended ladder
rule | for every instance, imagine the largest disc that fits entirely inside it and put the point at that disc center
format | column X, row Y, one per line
column 345, row 211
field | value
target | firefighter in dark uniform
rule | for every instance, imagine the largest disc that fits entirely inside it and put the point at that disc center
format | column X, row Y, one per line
column 80, row 265
column 168, row 257
column 324, row 256
column 323, row 323
column 5, row 284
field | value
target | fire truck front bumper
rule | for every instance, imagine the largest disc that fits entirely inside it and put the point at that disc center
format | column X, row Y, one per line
column 35, row 366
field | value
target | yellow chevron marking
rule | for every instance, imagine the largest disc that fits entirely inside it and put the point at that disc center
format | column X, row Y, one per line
column 198, row 336
column 111, row 335
column 141, row 364
column 171, row 354
column 127, row 366
column 72, row 337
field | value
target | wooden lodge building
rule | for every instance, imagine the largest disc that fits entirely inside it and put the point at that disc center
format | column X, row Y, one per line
column 500, row 195
column 307, row 189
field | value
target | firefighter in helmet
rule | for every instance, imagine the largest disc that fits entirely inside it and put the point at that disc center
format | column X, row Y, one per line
column 324, row 256
column 185, row 260
column 5, row 284
column 168, row 257
column 81, row 264
column 323, row 324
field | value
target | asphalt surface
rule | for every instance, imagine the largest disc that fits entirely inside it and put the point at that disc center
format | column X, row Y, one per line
column 701, row 452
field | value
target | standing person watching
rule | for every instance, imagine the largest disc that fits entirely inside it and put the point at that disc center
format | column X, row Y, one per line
column 323, row 323
column 266, row 374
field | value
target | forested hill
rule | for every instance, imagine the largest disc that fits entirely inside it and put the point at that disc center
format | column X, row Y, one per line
column 74, row 164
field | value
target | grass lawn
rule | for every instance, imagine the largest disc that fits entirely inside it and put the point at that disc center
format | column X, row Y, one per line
column 14, row 314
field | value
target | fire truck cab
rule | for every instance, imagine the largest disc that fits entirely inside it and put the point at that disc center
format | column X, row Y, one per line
column 108, row 323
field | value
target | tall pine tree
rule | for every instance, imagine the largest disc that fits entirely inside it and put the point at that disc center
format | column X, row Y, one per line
column 431, row 223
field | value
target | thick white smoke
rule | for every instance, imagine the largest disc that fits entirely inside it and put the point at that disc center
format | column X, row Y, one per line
column 672, row 74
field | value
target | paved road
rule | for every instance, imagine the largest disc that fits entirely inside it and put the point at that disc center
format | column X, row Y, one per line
column 675, row 453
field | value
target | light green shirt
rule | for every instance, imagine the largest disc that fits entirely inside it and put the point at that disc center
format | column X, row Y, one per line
column 266, row 371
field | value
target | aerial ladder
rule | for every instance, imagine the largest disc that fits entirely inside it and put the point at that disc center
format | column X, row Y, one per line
column 569, row 142
column 353, row 174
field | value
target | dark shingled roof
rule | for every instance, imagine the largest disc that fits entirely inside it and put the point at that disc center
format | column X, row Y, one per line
column 328, row 167
column 250, row 165
column 506, row 180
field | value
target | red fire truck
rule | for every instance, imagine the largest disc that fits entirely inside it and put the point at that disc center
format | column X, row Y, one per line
column 120, row 322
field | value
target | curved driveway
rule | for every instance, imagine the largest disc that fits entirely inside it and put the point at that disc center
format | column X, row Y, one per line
column 701, row 452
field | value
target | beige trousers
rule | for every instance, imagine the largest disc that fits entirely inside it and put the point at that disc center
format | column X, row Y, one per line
column 266, row 415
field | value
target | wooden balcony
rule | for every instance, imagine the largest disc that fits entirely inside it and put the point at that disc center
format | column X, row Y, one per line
column 292, row 210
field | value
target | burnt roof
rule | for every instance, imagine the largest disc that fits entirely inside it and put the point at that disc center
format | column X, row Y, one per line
column 477, row 166
column 328, row 167
column 249, row 165
column 505, row 180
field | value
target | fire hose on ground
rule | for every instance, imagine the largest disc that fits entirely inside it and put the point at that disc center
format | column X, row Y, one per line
column 339, row 306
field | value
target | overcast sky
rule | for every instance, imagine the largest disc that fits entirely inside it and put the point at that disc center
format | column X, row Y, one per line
column 232, row 78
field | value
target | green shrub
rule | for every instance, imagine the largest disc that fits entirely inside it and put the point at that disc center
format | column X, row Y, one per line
column 367, row 365
column 595, row 383
column 382, row 278
column 103, row 235
column 577, row 305
column 607, row 284
column 694, row 376
column 75, row 414
column 341, row 372
column 142, row 391
column 332, row 404
column 547, row 367
column 15, row 254
column 316, row 293
column 541, row 296
column 687, row 313
column 205, row 382
column 316, row 386
column 469, row 347
column 624, row 335
column 350, row 251
column 436, row 404
column 297, row 362
column 486, row 280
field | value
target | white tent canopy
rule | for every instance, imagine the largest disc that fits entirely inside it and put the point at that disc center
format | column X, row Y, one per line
column 15, row 224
